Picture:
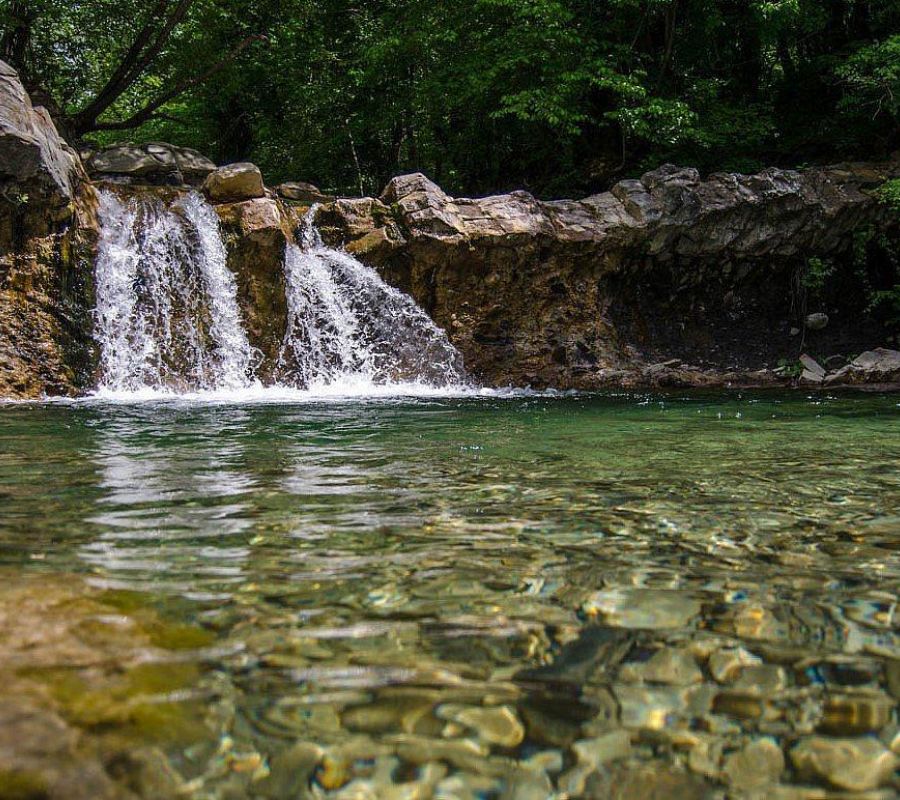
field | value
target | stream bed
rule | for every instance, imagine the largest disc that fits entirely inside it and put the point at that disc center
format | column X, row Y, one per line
column 498, row 596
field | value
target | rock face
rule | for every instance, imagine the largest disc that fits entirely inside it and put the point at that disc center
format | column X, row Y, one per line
column 34, row 160
column 242, row 181
column 154, row 163
column 46, row 225
column 256, row 233
column 608, row 289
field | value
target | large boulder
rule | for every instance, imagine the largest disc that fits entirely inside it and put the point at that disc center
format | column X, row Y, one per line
column 35, row 163
column 879, row 366
column 234, row 182
column 155, row 163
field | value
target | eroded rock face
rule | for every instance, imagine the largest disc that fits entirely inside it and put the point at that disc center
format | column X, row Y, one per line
column 666, row 280
column 35, row 163
column 256, row 233
column 46, row 225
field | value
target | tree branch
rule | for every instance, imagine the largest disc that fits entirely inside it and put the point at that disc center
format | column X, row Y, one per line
column 148, row 111
column 145, row 48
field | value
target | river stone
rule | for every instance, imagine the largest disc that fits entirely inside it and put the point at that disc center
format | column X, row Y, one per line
column 854, row 714
column 816, row 322
column 609, row 747
column 651, row 609
column 670, row 665
column 763, row 679
column 241, row 181
column 755, row 766
column 498, row 725
column 856, row 765
column 725, row 664
column 652, row 781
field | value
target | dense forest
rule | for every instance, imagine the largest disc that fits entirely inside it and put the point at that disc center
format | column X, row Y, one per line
column 560, row 97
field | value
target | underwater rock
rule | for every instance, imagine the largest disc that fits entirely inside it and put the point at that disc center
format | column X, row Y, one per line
column 856, row 765
column 651, row 609
column 755, row 766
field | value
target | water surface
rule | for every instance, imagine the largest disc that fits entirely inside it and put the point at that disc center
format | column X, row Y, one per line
column 522, row 596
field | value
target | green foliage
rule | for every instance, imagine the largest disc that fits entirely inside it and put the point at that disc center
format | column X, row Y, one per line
column 816, row 275
column 558, row 96
column 889, row 194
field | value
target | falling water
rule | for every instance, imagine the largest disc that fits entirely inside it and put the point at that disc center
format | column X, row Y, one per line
column 167, row 316
column 347, row 327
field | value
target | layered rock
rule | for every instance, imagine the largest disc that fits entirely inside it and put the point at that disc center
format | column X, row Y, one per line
column 46, row 224
column 663, row 280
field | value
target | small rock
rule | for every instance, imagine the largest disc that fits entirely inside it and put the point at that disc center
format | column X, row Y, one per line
column 290, row 772
column 498, row 725
column 609, row 747
column 853, row 714
column 670, row 665
column 762, row 679
column 853, row 764
column 757, row 765
column 725, row 664
column 241, row 181
column 816, row 322
column 651, row 609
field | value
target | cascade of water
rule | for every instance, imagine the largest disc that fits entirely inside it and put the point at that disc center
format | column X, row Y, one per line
column 167, row 315
column 346, row 326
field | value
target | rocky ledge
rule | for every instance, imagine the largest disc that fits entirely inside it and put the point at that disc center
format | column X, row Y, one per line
column 670, row 280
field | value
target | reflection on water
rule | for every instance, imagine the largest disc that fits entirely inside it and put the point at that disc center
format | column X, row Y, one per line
column 496, row 597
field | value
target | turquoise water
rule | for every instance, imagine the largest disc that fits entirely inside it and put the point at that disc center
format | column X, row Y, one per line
column 521, row 596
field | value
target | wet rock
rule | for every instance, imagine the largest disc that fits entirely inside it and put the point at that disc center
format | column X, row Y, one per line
column 241, row 181
column 652, row 609
column 290, row 772
column 42, row 758
column 650, row 707
column 670, row 665
column 725, row 664
column 256, row 233
column 762, row 679
column 652, row 781
column 496, row 726
column 816, row 322
column 855, row 714
column 602, row 749
column 757, row 765
column 146, row 772
column 852, row 764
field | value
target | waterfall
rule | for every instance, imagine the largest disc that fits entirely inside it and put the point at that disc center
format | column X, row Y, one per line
column 167, row 315
column 168, row 320
column 347, row 327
